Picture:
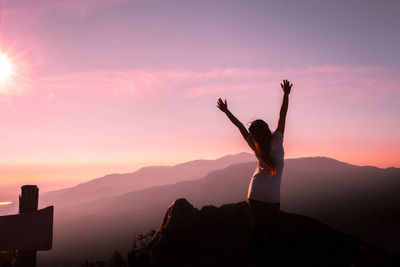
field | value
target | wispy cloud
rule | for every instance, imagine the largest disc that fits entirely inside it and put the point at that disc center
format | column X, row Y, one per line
column 367, row 83
column 78, row 7
column 88, row 111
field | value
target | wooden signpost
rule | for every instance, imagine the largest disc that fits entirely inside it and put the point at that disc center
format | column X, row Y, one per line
column 28, row 231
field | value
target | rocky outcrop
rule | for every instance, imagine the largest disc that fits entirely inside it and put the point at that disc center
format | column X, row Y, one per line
column 222, row 237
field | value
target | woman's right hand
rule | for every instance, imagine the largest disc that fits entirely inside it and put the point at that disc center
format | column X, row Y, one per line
column 223, row 106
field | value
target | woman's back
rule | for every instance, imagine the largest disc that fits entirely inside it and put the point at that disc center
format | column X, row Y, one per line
column 264, row 187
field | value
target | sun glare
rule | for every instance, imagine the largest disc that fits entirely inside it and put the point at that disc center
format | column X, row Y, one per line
column 6, row 68
column 5, row 202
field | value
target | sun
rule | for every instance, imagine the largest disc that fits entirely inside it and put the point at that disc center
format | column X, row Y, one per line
column 6, row 68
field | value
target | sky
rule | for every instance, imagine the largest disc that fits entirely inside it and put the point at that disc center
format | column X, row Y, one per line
column 103, row 86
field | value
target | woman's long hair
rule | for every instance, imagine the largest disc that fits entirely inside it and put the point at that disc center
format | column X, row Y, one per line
column 261, row 137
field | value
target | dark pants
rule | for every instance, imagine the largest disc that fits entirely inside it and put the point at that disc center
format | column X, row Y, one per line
column 265, row 223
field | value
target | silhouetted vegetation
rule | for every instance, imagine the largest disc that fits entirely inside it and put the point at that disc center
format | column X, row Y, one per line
column 143, row 239
column 7, row 258
column 117, row 260
column 93, row 264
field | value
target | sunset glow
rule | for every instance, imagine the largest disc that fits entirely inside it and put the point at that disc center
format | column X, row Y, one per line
column 111, row 111
column 6, row 68
column 89, row 88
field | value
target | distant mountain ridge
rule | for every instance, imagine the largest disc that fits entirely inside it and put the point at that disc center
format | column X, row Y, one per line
column 336, row 193
column 117, row 184
column 132, row 181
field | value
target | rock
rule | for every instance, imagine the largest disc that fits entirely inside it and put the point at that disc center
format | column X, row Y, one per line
column 222, row 237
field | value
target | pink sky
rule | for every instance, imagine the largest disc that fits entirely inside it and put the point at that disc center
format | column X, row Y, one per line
column 102, row 88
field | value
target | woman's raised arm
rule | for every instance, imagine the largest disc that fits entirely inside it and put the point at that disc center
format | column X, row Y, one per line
column 286, row 87
column 223, row 106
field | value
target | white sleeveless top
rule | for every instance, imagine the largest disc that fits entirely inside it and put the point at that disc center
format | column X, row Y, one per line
column 264, row 187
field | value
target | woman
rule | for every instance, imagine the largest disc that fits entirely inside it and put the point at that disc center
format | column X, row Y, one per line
column 264, row 189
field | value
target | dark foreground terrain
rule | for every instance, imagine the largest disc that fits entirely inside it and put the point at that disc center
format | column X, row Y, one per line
column 222, row 237
column 358, row 200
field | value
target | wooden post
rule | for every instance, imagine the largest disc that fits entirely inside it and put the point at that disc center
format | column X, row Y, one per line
column 28, row 202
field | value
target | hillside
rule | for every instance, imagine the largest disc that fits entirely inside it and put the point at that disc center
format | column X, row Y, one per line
column 349, row 198
column 223, row 237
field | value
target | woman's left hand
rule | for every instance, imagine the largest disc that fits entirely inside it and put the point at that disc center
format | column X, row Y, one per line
column 223, row 106
column 286, row 86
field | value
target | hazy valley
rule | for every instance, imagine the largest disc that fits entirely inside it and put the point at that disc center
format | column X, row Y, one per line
column 108, row 212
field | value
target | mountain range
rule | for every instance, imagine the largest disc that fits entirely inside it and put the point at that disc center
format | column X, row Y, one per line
column 118, row 184
column 353, row 199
